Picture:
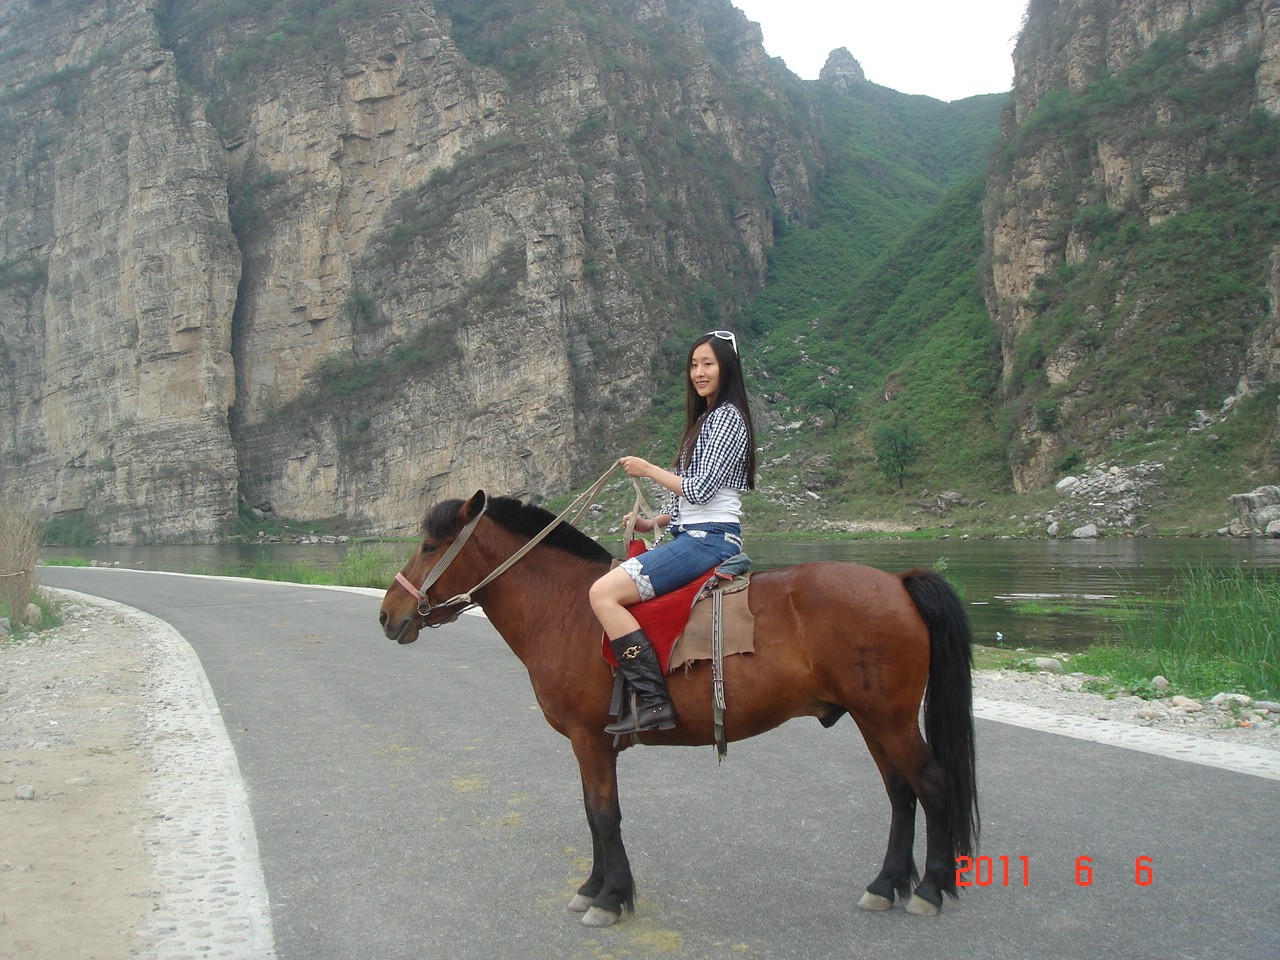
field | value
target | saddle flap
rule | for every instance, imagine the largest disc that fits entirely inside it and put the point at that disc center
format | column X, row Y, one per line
column 738, row 629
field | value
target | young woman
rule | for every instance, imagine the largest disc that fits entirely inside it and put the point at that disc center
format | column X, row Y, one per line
column 715, row 462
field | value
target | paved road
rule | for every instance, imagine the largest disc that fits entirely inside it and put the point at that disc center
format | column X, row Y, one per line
column 410, row 802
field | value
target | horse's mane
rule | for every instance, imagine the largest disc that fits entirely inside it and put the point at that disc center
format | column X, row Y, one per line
column 443, row 522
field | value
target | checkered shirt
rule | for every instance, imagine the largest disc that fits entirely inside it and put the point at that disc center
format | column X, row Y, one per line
column 719, row 459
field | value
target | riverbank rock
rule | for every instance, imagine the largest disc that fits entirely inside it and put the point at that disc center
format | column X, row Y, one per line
column 1107, row 497
column 1258, row 513
column 941, row 504
column 1225, row 701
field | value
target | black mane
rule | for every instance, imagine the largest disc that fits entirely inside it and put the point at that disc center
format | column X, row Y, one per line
column 442, row 523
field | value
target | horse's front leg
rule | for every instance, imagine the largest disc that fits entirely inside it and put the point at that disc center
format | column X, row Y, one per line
column 581, row 903
column 610, row 887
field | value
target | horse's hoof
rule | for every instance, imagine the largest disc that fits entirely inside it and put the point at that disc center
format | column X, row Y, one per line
column 921, row 907
column 595, row 917
column 579, row 904
column 873, row 901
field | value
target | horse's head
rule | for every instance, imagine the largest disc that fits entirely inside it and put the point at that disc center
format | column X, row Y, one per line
column 437, row 572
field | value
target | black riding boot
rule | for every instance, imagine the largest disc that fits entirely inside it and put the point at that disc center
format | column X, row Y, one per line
column 639, row 664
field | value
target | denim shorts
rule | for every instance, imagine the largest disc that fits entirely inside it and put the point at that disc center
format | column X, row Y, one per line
column 675, row 563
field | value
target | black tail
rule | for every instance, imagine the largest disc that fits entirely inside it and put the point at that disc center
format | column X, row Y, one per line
column 948, row 700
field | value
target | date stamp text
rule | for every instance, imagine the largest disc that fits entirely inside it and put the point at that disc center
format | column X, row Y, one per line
column 1016, row 871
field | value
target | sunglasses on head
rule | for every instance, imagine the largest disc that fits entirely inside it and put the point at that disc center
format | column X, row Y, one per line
column 725, row 335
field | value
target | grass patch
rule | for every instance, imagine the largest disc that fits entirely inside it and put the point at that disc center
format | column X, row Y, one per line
column 371, row 566
column 362, row 566
column 995, row 658
column 50, row 617
column 1111, row 689
column 1216, row 633
column 1115, row 610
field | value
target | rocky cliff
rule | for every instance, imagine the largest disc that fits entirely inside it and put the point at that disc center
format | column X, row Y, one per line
column 1130, row 222
column 316, row 257
column 118, row 276
column 343, row 258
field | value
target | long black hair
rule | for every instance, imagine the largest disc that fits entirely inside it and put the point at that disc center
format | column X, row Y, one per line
column 733, row 389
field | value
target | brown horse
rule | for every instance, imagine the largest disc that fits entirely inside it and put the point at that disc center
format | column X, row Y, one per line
column 831, row 638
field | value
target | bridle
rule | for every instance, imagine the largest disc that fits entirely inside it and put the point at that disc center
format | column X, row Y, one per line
column 464, row 601
column 425, row 606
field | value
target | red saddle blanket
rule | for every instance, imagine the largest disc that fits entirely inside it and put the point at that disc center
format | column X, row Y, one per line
column 663, row 618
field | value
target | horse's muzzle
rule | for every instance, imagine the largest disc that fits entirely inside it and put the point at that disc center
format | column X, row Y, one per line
column 402, row 632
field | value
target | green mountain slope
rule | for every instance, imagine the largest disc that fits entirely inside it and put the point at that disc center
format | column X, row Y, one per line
column 909, row 344
column 1151, row 332
column 873, row 316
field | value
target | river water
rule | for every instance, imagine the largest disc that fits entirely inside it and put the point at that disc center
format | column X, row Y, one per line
column 1072, row 583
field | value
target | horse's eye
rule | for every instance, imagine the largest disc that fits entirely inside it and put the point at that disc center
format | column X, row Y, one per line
column 427, row 547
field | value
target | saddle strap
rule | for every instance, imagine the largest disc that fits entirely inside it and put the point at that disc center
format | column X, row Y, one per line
column 717, row 671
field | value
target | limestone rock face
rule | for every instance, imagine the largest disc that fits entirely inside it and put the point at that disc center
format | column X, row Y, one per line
column 1074, row 44
column 1061, row 181
column 841, row 70
column 1256, row 511
column 119, row 283
column 348, row 268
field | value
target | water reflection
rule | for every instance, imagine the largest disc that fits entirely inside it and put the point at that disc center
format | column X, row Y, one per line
column 1076, row 581
column 1072, row 582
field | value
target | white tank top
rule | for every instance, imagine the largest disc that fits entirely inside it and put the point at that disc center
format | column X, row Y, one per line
column 724, row 507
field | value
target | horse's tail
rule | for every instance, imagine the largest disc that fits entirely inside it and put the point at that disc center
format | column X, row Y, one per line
column 948, row 700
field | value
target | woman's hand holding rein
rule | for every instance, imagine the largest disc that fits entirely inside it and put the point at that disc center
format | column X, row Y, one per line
column 640, row 467
column 645, row 525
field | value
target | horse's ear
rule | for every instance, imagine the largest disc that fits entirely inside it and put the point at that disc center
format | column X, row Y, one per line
column 473, row 506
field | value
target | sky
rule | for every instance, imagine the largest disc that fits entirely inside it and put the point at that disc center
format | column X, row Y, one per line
column 948, row 49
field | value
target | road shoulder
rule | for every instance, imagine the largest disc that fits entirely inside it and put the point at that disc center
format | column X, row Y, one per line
column 121, row 802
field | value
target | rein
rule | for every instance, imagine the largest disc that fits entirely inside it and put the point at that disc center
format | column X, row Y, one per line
column 464, row 601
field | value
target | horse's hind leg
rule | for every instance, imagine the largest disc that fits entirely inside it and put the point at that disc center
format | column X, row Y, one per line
column 940, row 854
column 898, row 872
column 909, row 754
